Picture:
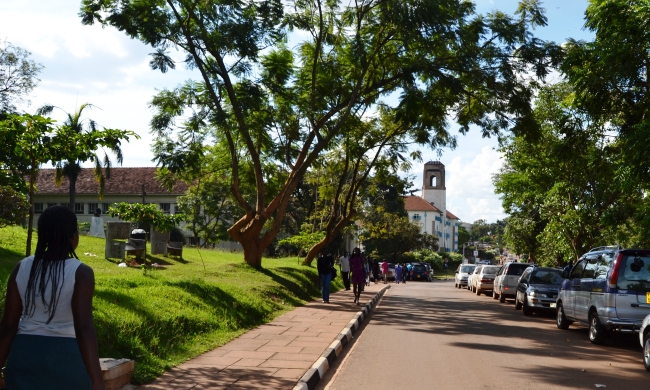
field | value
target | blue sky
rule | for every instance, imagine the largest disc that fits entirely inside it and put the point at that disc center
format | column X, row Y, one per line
column 104, row 67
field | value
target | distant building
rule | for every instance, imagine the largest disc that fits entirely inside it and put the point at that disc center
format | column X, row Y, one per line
column 430, row 210
column 124, row 185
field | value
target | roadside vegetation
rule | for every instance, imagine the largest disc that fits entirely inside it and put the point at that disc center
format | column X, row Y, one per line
column 163, row 316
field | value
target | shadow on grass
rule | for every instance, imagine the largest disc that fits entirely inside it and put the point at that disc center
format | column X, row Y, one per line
column 152, row 340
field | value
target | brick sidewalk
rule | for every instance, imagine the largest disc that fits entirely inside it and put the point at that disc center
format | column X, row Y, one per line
column 271, row 356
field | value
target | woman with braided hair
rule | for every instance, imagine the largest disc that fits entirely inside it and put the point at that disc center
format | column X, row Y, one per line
column 47, row 336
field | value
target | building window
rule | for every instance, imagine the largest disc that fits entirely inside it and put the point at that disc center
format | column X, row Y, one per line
column 79, row 208
column 51, row 204
column 165, row 207
column 174, row 208
column 105, row 207
column 92, row 207
column 66, row 205
column 38, row 208
column 416, row 217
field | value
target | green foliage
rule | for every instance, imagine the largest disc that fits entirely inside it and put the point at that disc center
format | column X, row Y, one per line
column 209, row 208
column 611, row 80
column 303, row 241
column 145, row 214
column 179, row 311
column 13, row 207
column 565, row 193
column 436, row 259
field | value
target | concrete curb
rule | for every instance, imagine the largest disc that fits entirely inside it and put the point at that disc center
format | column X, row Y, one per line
column 318, row 369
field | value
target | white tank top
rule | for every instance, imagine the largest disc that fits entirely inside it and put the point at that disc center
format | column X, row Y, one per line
column 62, row 325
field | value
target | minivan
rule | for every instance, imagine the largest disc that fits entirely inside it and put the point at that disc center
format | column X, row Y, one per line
column 607, row 289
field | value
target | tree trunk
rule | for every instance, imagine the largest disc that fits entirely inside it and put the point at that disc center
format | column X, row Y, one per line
column 73, row 192
column 253, row 253
column 32, row 179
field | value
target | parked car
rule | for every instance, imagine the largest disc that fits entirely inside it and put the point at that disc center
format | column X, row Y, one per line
column 484, row 280
column 420, row 272
column 644, row 337
column 608, row 289
column 537, row 289
column 462, row 273
column 484, row 262
column 505, row 283
column 391, row 271
column 472, row 277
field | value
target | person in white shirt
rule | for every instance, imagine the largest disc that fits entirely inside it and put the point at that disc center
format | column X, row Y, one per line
column 344, row 263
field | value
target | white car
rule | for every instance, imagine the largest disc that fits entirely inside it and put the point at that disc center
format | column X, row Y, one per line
column 472, row 277
column 484, row 281
column 462, row 273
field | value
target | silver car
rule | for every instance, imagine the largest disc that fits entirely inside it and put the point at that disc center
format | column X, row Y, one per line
column 537, row 289
column 505, row 283
column 462, row 273
column 608, row 289
column 644, row 337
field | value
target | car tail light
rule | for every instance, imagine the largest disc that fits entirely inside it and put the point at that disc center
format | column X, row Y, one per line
column 411, row 272
column 486, row 280
column 426, row 273
column 613, row 279
column 507, row 288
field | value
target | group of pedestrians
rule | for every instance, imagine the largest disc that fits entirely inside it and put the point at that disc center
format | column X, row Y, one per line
column 355, row 271
column 402, row 272
column 354, row 268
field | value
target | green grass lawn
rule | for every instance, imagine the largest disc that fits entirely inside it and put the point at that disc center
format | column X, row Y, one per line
column 167, row 315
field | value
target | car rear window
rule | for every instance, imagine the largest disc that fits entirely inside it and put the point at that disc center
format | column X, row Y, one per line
column 516, row 269
column 546, row 277
column 467, row 269
column 419, row 268
column 634, row 277
column 490, row 270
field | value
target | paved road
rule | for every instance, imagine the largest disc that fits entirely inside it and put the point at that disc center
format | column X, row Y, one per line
column 433, row 336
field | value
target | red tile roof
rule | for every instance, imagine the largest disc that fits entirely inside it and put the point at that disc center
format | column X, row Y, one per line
column 416, row 203
column 123, row 181
column 451, row 216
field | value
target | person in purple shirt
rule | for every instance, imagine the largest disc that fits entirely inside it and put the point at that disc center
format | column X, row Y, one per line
column 398, row 273
column 358, row 273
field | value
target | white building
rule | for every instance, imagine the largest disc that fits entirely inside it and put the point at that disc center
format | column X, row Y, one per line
column 430, row 210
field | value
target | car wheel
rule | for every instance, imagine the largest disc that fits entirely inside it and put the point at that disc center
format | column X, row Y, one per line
column 455, row 285
column 502, row 298
column 597, row 332
column 561, row 319
column 526, row 309
column 517, row 304
column 494, row 294
column 478, row 291
column 646, row 353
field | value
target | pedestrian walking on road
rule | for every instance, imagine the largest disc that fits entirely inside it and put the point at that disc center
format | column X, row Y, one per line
column 398, row 273
column 375, row 270
column 405, row 273
column 358, row 274
column 384, row 271
column 324, row 265
column 344, row 263
column 47, row 335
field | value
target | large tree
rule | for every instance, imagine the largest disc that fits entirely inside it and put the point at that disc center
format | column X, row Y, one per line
column 80, row 139
column 287, row 105
column 18, row 76
column 564, row 191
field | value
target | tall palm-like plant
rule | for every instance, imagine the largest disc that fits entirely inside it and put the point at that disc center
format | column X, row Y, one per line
column 83, row 138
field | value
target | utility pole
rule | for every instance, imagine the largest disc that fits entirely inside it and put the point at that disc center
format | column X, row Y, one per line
column 143, row 194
